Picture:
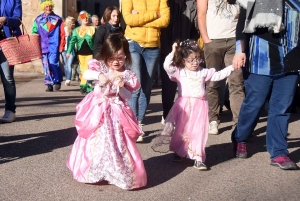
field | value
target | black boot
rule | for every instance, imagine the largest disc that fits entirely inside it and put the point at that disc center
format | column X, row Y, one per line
column 57, row 86
column 49, row 88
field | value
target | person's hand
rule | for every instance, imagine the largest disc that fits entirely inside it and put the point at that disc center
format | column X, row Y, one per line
column 207, row 40
column 238, row 61
column 134, row 12
column 158, row 15
column 102, row 79
column 2, row 21
column 174, row 46
column 67, row 55
column 118, row 82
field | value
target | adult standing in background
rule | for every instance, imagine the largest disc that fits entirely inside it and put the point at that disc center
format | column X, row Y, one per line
column 69, row 26
column 183, row 25
column 144, row 19
column 51, row 29
column 83, row 37
column 10, row 16
column 268, row 45
column 95, row 21
column 217, row 21
column 111, row 18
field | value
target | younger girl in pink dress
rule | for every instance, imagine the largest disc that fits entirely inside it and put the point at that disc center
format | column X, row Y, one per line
column 186, row 126
column 107, row 129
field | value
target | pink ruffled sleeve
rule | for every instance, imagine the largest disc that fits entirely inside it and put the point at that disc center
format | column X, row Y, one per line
column 131, row 84
column 95, row 68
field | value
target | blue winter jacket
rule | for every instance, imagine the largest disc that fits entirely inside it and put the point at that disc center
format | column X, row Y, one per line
column 12, row 10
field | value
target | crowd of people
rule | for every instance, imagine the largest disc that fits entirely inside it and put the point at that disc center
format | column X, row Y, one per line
column 254, row 48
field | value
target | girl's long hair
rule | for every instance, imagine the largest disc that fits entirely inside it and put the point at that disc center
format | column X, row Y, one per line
column 113, row 43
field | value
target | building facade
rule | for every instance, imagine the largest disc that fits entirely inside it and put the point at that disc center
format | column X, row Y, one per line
column 31, row 9
column 95, row 7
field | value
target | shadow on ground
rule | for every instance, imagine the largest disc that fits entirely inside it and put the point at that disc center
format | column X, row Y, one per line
column 21, row 146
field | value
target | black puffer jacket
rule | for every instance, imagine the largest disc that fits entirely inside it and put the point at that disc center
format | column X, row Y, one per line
column 102, row 33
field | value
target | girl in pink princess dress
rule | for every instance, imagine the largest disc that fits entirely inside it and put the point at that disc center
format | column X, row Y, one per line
column 186, row 126
column 107, row 129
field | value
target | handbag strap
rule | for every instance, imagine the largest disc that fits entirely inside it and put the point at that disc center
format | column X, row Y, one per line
column 23, row 28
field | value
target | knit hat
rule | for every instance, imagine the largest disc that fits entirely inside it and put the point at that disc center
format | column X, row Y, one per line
column 46, row 2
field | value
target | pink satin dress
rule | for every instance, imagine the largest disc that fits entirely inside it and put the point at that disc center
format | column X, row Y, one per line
column 186, row 126
column 107, row 129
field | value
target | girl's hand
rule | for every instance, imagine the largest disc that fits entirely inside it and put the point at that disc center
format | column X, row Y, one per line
column 67, row 55
column 102, row 79
column 118, row 82
column 174, row 46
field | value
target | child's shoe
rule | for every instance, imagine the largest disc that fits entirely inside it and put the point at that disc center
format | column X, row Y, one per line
column 200, row 166
column 140, row 138
column 176, row 158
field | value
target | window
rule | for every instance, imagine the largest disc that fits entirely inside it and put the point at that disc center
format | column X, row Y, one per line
column 78, row 6
column 97, row 8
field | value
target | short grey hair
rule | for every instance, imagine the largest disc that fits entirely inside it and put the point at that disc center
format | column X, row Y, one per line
column 95, row 16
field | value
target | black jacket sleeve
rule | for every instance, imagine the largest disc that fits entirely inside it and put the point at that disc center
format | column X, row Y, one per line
column 240, row 26
column 98, row 40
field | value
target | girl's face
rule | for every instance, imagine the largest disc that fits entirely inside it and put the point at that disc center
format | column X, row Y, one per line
column 117, row 60
column 114, row 19
column 192, row 62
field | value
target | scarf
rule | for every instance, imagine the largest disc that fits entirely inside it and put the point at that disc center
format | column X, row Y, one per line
column 263, row 14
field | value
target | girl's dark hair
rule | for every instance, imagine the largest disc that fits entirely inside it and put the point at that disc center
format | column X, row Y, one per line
column 113, row 43
column 108, row 11
column 183, row 50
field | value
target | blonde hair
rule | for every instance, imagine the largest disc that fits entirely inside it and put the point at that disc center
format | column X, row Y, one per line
column 68, row 23
column 46, row 2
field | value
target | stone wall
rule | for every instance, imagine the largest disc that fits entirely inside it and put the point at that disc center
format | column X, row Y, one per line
column 31, row 9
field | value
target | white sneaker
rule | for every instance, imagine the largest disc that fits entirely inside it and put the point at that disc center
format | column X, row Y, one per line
column 140, row 138
column 213, row 128
column 162, row 120
column 8, row 117
column 141, row 127
column 68, row 82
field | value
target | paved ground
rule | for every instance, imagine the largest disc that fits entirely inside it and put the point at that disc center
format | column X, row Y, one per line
column 34, row 150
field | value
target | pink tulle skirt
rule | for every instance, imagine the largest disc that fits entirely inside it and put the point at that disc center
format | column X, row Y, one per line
column 186, row 129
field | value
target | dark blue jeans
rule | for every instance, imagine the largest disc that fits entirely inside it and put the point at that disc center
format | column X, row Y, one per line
column 279, row 91
column 7, row 77
column 144, row 65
